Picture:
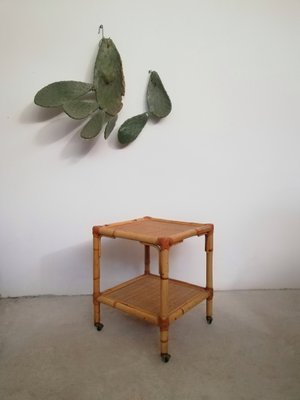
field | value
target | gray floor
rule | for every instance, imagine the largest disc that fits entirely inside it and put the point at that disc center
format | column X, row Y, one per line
column 49, row 349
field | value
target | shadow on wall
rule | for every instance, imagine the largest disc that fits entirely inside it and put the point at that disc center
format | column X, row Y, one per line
column 70, row 271
column 32, row 114
column 57, row 127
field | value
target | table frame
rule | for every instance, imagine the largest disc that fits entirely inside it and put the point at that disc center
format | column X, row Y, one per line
column 116, row 296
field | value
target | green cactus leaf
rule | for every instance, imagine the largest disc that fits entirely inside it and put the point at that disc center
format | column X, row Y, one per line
column 80, row 108
column 58, row 93
column 94, row 126
column 159, row 103
column 131, row 128
column 109, row 78
column 110, row 126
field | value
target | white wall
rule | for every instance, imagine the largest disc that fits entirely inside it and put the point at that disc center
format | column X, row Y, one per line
column 228, row 153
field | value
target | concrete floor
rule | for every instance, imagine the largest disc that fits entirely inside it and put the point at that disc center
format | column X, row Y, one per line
column 49, row 350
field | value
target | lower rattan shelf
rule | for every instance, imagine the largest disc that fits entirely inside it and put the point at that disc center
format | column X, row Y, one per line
column 141, row 297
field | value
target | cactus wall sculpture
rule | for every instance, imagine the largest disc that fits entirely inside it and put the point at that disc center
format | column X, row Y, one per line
column 101, row 100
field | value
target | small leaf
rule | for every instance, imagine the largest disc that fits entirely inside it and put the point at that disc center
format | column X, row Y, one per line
column 159, row 103
column 58, row 93
column 131, row 128
column 94, row 126
column 80, row 108
column 110, row 126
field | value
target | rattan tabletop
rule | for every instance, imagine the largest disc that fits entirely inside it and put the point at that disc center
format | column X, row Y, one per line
column 153, row 230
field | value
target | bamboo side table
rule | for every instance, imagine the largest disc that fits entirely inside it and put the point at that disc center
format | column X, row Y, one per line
column 154, row 298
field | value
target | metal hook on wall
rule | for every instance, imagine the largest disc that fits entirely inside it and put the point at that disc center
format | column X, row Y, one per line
column 101, row 29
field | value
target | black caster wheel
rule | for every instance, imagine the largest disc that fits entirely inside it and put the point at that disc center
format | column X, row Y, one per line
column 165, row 357
column 209, row 319
column 99, row 326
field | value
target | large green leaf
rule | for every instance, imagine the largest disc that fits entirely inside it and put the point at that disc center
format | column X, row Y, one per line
column 94, row 126
column 58, row 93
column 110, row 126
column 131, row 128
column 80, row 108
column 159, row 103
column 108, row 77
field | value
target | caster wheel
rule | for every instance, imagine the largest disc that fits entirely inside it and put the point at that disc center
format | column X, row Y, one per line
column 99, row 326
column 209, row 319
column 165, row 357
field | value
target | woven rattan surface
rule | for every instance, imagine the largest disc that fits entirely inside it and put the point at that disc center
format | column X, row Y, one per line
column 143, row 293
column 152, row 230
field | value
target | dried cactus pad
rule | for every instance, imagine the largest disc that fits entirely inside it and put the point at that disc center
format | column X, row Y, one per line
column 94, row 126
column 58, row 93
column 131, row 128
column 80, row 108
column 159, row 103
column 110, row 126
column 109, row 78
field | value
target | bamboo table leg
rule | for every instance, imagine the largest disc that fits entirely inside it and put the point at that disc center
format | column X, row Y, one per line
column 96, row 279
column 164, row 293
column 147, row 259
column 209, row 279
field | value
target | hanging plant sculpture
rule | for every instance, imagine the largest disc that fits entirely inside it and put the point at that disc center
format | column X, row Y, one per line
column 101, row 100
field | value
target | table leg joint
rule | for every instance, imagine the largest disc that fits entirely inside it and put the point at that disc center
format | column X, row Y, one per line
column 164, row 243
column 163, row 323
column 95, row 298
column 211, row 293
column 96, row 233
